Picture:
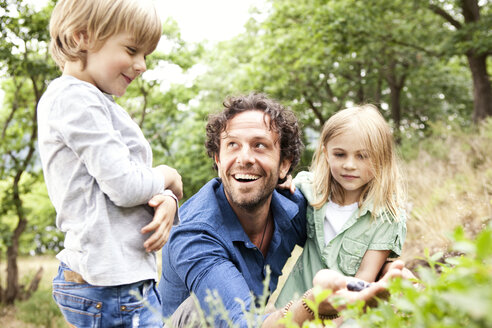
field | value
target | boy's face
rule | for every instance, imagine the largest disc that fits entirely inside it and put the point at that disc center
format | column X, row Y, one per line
column 113, row 66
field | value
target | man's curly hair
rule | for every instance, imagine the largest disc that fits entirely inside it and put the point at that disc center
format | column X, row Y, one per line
column 282, row 121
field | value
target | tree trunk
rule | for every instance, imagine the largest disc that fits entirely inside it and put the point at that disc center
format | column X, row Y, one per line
column 395, row 84
column 482, row 91
column 12, row 291
column 395, row 96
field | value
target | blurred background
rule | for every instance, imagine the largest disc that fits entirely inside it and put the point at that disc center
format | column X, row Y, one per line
column 425, row 63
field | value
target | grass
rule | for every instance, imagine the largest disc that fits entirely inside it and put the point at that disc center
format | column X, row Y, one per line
column 40, row 310
column 449, row 185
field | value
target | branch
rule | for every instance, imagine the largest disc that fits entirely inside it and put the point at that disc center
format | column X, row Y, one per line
column 315, row 110
column 144, row 106
column 15, row 106
column 329, row 90
column 444, row 14
column 416, row 47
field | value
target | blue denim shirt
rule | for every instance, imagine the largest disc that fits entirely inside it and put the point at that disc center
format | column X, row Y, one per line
column 209, row 250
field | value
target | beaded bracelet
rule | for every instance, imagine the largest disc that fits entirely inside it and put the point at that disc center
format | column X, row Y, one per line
column 286, row 308
column 311, row 312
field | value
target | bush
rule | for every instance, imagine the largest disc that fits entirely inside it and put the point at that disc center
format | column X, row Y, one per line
column 40, row 309
column 456, row 292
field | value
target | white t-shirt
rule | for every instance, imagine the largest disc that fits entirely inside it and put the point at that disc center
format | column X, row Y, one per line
column 335, row 218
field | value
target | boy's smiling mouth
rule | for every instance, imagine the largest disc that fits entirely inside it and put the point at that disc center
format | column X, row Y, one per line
column 127, row 78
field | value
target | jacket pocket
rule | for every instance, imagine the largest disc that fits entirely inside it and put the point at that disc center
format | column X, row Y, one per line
column 350, row 256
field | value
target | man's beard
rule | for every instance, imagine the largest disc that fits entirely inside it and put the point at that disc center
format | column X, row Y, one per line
column 255, row 202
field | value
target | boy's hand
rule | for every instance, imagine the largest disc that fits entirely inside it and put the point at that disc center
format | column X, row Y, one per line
column 172, row 180
column 288, row 184
column 165, row 208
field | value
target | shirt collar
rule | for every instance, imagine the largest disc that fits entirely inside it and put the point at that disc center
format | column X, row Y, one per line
column 365, row 208
column 283, row 210
column 229, row 218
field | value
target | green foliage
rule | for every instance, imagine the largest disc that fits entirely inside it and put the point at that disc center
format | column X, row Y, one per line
column 41, row 310
column 460, row 295
column 456, row 292
column 27, row 68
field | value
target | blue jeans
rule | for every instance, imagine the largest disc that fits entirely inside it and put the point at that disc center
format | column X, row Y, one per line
column 85, row 305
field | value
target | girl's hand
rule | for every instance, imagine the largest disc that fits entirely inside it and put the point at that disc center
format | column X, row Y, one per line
column 288, row 184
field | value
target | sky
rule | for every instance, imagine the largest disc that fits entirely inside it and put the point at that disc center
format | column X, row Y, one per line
column 212, row 20
column 199, row 20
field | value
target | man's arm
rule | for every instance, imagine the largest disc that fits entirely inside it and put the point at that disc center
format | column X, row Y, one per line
column 201, row 259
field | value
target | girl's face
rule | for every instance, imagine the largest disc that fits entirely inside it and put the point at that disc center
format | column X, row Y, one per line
column 349, row 163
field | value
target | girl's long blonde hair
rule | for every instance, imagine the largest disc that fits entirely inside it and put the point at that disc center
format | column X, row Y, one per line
column 385, row 192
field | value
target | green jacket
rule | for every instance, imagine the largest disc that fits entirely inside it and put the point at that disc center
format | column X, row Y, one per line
column 344, row 252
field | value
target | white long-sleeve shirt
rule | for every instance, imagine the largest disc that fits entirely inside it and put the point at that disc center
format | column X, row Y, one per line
column 98, row 170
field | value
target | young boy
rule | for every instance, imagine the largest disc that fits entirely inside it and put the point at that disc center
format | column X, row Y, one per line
column 98, row 165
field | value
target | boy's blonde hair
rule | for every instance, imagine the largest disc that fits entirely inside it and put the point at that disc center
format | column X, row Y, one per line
column 385, row 191
column 97, row 20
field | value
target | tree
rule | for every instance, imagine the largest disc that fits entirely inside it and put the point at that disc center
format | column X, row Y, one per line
column 467, row 31
column 27, row 67
column 320, row 56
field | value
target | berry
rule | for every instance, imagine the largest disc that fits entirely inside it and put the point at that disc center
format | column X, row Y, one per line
column 357, row 285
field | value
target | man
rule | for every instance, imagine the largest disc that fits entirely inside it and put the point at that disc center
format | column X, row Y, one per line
column 238, row 224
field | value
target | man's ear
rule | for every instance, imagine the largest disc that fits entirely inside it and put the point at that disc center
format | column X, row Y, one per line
column 284, row 168
column 216, row 159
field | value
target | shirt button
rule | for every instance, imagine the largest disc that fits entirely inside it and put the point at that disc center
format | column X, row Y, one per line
column 98, row 305
column 123, row 308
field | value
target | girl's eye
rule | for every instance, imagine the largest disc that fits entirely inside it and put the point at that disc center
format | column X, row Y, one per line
column 260, row 145
column 363, row 156
column 231, row 145
column 339, row 154
column 131, row 50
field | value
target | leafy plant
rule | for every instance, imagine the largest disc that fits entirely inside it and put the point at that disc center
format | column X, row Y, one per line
column 456, row 292
column 41, row 310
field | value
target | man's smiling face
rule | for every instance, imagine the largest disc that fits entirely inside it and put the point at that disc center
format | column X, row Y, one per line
column 249, row 160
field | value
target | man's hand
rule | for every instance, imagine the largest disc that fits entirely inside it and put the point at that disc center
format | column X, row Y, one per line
column 172, row 180
column 165, row 208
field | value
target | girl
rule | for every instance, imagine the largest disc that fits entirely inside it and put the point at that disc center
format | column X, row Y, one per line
column 355, row 219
